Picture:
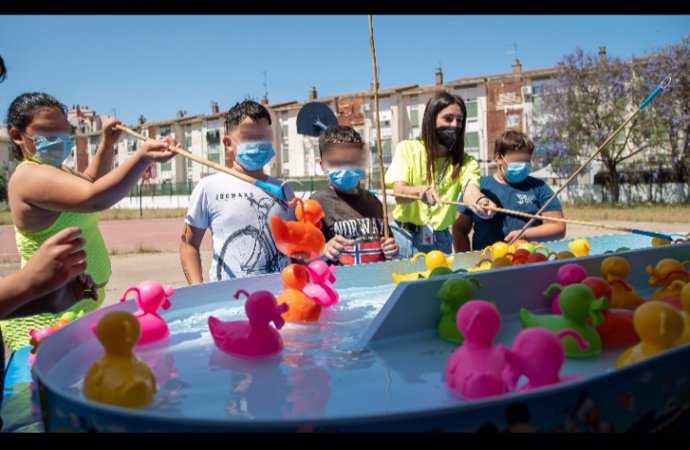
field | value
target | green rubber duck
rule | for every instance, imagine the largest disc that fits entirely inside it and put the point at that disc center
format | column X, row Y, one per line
column 578, row 304
column 453, row 294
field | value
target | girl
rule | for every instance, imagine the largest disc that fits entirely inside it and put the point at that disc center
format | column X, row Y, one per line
column 46, row 197
column 434, row 168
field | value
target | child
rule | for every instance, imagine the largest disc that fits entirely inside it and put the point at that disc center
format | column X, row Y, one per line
column 510, row 187
column 238, row 213
column 45, row 197
column 353, row 222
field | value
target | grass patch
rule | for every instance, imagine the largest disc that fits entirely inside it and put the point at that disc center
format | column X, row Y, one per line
column 139, row 250
column 641, row 212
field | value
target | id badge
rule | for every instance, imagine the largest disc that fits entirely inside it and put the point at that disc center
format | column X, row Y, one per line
column 428, row 236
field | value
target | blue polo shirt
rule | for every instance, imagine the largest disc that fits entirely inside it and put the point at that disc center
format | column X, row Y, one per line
column 527, row 197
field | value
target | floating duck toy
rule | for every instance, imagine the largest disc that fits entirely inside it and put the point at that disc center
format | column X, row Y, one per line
column 565, row 254
column 478, row 368
column 685, row 299
column 617, row 329
column 578, row 305
column 253, row 338
column 453, row 294
column 443, row 271
column 119, row 377
column 150, row 296
column 38, row 336
column 320, row 288
column 579, row 247
column 299, row 239
column 671, row 275
column 300, row 307
column 657, row 242
column 616, row 269
column 540, row 355
column 433, row 259
column 659, row 326
column 566, row 275
column 497, row 249
column 310, row 211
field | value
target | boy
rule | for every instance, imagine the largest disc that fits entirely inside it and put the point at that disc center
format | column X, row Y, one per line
column 353, row 222
column 510, row 187
column 237, row 212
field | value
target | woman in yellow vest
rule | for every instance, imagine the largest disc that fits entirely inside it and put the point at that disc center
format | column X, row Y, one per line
column 434, row 168
column 45, row 197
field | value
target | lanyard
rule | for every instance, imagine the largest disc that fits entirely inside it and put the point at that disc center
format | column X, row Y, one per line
column 439, row 177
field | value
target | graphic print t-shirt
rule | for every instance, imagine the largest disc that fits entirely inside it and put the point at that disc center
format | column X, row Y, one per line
column 527, row 196
column 353, row 216
column 239, row 217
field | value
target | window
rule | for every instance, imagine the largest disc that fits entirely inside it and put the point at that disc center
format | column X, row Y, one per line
column 286, row 155
column 284, row 130
column 472, row 113
column 512, row 121
column 387, row 154
column 165, row 131
column 414, row 117
column 188, row 141
column 471, row 140
column 131, row 146
column 166, row 166
column 215, row 157
column 214, row 152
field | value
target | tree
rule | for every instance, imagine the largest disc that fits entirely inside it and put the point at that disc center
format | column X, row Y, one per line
column 667, row 118
column 590, row 99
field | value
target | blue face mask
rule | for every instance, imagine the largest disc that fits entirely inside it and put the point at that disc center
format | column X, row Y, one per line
column 52, row 150
column 517, row 172
column 253, row 156
column 345, row 178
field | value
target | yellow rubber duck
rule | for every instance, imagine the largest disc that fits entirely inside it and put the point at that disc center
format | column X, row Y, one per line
column 497, row 249
column 616, row 269
column 671, row 275
column 119, row 377
column 685, row 299
column 579, row 247
column 659, row 325
column 483, row 264
column 433, row 259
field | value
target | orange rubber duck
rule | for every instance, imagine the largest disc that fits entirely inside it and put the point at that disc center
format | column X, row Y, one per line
column 300, row 307
column 299, row 239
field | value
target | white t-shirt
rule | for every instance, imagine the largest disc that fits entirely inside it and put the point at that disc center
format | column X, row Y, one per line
column 239, row 216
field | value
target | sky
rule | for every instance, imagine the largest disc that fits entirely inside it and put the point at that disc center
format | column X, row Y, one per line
column 157, row 65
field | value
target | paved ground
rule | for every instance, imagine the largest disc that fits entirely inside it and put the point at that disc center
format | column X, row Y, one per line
column 164, row 234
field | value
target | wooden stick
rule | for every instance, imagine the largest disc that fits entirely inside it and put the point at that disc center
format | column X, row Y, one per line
column 275, row 190
column 378, row 128
column 649, row 98
column 553, row 219
column 202, row 161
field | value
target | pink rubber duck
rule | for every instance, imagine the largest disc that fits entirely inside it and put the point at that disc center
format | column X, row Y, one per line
column 540, row 356
column 36, row 338
column 150, row 295
column 319, row 290
column 255, row 338
column 478, row 369
column 568, row 274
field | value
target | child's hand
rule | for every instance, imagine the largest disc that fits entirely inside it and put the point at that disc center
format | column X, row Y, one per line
column 155, row 151
column 389, row 247
column 110, row 134
column 81, row 287
column 57, row 261
column 335, row 246
column 481, row 208
column 510, row 236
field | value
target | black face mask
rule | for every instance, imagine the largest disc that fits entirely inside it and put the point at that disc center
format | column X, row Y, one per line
column 448, row 136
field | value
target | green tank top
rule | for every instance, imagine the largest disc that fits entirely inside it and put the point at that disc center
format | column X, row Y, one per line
column 16, row 331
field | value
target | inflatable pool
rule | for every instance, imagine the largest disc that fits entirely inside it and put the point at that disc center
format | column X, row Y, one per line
column 373, row 362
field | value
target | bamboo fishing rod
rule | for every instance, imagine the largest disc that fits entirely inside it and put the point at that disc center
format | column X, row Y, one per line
column 378, row 128
column 268, row 187
column 533, row 217
column 661, row 86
